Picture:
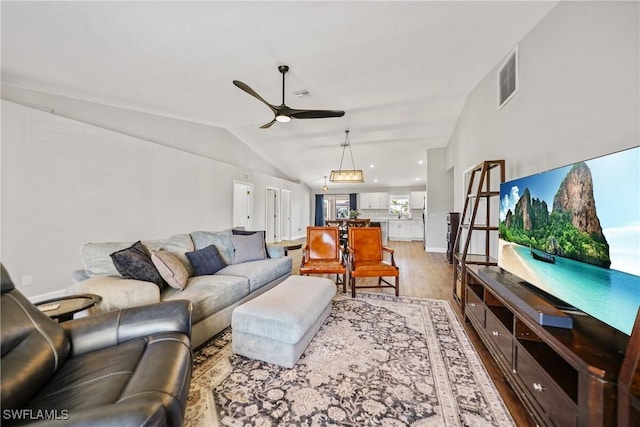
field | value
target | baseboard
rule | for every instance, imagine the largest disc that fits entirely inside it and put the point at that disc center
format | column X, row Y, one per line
column 48, row 295
column 438, row 250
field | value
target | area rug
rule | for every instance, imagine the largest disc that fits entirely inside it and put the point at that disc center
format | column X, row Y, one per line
column 377, row 360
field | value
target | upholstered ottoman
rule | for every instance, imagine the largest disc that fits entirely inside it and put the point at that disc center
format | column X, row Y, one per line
column 277, row 326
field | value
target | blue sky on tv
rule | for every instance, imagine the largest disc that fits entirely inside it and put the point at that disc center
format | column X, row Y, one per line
column 616, row 190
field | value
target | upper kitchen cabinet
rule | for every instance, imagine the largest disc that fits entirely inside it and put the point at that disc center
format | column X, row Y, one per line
column 378, row 200
column 417, row 199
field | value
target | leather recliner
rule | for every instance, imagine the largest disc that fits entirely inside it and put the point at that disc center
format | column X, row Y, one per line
column 122, row 368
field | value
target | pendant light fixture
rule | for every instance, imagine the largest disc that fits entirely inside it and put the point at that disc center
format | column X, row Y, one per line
column 349, row 176
column 325, row 188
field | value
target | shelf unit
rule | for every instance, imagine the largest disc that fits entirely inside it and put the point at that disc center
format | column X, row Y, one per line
column 453, row 220
column 481, row 201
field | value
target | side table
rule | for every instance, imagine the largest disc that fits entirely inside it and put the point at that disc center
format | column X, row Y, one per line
column 64, row 308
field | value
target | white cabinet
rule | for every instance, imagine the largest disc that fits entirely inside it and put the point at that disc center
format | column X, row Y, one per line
column 399, row 229
column 417, row 230
column 417, row 199
column 374, row 200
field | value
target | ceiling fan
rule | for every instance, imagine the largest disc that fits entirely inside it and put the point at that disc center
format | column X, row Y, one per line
column 282, row 112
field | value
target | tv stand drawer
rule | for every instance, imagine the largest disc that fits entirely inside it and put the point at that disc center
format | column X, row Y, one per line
column 500, row 336
column 551, row 399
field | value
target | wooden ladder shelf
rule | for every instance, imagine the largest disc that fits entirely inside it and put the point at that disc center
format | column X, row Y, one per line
column 480, row 192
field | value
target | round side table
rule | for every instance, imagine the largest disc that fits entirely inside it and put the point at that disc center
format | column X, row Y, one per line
column 67, row 306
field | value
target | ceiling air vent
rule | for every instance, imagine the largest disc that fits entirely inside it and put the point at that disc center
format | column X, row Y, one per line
column 508, row 79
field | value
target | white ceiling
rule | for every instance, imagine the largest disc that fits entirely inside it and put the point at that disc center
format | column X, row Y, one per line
column 400, row 70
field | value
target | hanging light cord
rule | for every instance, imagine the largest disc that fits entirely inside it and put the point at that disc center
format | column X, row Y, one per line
column 347, row 143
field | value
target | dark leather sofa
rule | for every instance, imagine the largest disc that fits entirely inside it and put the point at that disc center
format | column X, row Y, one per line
column 130, row 367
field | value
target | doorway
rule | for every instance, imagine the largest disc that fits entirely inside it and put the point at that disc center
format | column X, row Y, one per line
column 243, row 204
column 285, row 215
column 272, row 200
column 336, row 206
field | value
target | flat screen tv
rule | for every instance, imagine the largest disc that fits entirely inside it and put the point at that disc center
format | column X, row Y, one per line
column 574, row 233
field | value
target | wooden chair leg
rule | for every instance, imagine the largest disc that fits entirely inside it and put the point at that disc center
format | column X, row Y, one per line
column 353, row 287
column 344, row 283
column 397, row 286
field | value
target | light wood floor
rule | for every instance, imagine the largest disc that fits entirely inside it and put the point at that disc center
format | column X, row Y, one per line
column 427, row 275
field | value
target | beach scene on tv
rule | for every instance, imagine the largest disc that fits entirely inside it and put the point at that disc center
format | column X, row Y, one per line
column 574, row 232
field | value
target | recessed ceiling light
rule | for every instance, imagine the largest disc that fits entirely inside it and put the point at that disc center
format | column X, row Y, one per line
column 417, row 179
column 419, row 162
column 371, row 165
column 375, row 180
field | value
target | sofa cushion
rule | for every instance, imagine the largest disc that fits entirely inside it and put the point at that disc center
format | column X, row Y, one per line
column 97, row 260
column 170, row 268
column 221, row 239
column 117, row 293
column 206, row 261
column 177, row 244
column 248, row 247
column 135, row 263
column 260, row 272
column 210, row 294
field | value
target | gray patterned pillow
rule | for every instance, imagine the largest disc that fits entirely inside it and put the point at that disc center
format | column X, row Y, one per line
column 135, row 263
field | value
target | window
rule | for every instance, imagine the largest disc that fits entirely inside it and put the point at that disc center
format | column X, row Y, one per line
column 399, row 206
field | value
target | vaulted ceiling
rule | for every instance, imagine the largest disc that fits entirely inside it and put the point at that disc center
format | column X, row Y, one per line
column 400, row 70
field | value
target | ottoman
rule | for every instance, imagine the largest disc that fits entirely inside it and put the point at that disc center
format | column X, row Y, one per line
column 277, row 326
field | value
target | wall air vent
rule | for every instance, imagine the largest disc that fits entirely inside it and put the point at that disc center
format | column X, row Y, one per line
column 508, row 79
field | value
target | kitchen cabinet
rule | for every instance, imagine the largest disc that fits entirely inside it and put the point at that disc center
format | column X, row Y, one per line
column 399, row 229
column 417, row 230
column 379, row 200
column 417, row 199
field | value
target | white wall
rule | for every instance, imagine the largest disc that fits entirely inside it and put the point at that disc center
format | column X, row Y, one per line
column 578, row 96
column 65, row 183
column 439, row 200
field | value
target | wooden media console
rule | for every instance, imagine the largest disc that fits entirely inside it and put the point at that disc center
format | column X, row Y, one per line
column 565, row 375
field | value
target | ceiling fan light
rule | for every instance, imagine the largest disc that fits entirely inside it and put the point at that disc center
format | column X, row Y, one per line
column 283, row 119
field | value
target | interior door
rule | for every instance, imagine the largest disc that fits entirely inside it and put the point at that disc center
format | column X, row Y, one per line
column 272, row 212
column 285, row 215
column 242, row 204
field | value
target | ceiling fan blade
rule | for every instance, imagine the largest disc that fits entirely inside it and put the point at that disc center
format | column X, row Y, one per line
column 245, row 87
column 316, row 114
column 268, row 125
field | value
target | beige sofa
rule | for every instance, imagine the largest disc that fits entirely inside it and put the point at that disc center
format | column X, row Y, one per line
column 213, row 296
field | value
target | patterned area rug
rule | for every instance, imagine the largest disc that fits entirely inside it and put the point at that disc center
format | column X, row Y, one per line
column 377, row 360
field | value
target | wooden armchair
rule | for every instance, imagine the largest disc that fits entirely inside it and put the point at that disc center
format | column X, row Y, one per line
column 322, row 254
column 366, row 259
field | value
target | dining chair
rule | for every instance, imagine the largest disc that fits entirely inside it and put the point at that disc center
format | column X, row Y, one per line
column 322, row 254
column 334, row 223
column 366, row 258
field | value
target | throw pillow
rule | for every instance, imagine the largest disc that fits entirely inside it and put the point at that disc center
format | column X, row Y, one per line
column 242, row 232
column 135, row 263
column 248, row 247
column 206, row 261
column 170, row 268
